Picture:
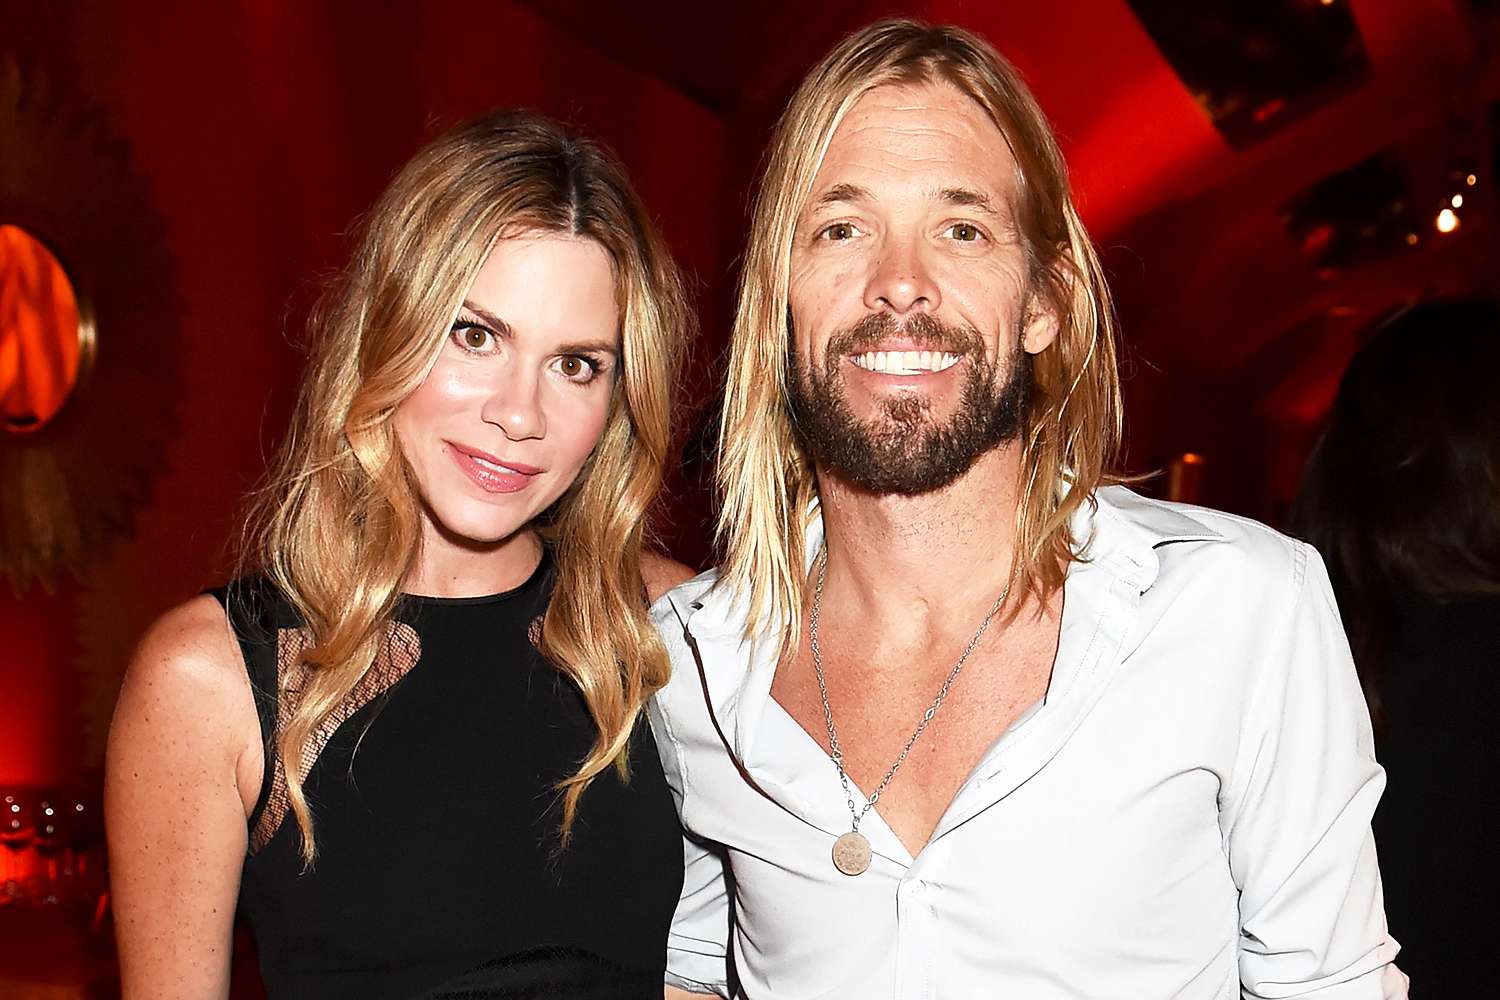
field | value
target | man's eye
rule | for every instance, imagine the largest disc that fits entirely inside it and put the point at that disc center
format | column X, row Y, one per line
column 839, row 231
column 965, row 232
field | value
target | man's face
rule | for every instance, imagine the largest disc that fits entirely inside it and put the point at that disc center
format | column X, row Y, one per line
column 909, row 300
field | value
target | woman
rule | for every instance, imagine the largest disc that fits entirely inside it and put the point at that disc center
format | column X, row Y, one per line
column 1402, row 498
column 448, row 631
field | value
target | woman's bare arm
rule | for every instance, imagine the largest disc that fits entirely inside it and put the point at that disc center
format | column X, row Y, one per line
column 183, row 772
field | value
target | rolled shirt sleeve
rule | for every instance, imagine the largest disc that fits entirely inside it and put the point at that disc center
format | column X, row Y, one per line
column 1297, row 814
column 698, row 942
column 697, row 945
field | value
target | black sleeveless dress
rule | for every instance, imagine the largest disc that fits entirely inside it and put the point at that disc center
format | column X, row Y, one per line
column 439, row 871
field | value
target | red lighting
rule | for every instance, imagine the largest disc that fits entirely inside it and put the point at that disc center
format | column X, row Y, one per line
column 1269, row 110
column 39, row 343
column 1317, row 239
column 1185, row 478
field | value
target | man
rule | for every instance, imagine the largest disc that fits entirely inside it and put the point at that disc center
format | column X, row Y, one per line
column 956, row 719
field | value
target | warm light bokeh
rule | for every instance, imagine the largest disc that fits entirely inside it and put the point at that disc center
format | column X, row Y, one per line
column 39, row 333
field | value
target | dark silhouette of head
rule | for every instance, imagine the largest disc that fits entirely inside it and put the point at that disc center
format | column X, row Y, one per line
column 1402, row 494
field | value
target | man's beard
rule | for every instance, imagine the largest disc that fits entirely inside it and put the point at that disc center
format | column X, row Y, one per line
column 905, row 450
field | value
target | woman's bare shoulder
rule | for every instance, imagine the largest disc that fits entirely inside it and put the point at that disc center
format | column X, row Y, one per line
column 186, row 733
column 188, row 674
column 190, row 644
column 661, row 573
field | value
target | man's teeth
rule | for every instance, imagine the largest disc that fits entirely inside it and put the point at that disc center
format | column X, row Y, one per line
column 905, row 362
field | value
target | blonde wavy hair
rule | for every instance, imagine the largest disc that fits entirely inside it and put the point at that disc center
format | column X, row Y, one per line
column 1072, row 434
column 338, row 527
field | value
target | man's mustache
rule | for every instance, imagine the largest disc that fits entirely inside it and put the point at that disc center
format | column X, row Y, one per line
column 923, row 330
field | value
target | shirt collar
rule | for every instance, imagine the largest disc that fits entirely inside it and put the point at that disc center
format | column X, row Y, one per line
column 1122, row 531
column 1118, row 530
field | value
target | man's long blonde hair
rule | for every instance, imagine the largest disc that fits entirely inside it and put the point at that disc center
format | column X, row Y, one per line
column 338, row 528
column 1073, row 428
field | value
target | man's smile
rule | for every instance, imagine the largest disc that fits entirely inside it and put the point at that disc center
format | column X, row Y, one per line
column 905, row 362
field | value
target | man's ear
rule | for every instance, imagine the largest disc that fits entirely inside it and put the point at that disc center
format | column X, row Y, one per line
column 1039, row 328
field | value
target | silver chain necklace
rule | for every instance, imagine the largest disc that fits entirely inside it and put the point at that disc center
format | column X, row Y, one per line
column 851, row 852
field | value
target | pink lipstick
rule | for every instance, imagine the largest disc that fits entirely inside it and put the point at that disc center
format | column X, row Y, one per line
column 491, row 474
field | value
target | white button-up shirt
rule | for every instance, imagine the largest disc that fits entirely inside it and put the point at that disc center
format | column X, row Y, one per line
column 1186, row 813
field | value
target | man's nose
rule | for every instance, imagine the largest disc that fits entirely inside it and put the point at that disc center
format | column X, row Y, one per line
column 901, row 281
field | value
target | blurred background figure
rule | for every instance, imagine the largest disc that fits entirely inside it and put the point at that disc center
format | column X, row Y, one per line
column 1402, row 498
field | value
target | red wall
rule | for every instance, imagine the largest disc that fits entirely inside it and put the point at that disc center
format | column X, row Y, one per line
column 263, row 129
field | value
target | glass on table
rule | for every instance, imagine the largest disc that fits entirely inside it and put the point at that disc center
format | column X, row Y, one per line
column 83, row 841
column 49, row 837
column 17, row 829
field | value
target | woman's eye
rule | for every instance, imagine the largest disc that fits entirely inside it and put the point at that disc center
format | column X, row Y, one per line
column 839, row 231
column 576, row 369
column 964, row 232
column 472, row 337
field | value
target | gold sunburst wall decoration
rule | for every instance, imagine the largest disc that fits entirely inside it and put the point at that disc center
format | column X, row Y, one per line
column 89, row 354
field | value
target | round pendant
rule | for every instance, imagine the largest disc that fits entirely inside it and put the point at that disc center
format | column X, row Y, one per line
column 851, row 853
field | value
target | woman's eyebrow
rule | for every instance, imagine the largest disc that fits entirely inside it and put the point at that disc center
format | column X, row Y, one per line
column 590, row 347
column 499, row 325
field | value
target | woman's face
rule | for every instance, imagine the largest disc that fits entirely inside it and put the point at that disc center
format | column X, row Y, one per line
column 521, row 391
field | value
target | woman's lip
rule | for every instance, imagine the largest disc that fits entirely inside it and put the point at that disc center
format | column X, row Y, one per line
column 478, row 467
column 522, row 468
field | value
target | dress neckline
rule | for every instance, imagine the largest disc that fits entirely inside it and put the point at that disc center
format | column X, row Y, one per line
column 538, row 575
